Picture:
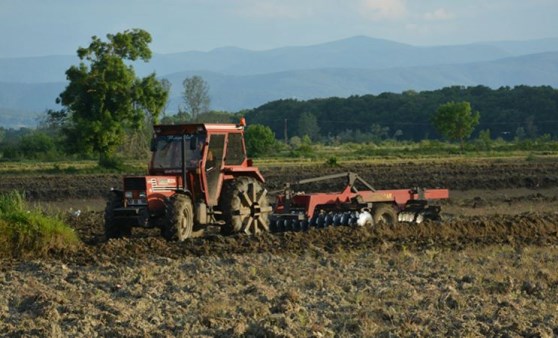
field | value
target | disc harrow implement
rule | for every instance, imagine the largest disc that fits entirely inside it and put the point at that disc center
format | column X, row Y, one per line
column 299, row 211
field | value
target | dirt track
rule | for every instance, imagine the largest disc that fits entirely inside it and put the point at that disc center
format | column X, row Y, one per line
column 488, row 269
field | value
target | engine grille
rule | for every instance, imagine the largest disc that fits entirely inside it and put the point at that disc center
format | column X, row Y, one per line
column 134, row 183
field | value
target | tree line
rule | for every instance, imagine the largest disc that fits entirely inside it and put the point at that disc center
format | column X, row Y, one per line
column 518, row 112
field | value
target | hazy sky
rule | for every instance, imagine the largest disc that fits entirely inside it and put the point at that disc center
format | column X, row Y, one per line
column 47, row 27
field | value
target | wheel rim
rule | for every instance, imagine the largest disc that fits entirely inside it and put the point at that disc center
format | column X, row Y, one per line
column 254, row 209
column 184, row 225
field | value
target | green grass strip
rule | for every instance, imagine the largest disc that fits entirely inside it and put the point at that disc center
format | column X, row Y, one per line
column 31, row 233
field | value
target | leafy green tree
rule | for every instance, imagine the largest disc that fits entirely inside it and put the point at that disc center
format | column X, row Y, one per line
column 308, row 125
column 456, row 121
column 104, row 99
column 196, row 95
column 259, row 140
column 37, row 145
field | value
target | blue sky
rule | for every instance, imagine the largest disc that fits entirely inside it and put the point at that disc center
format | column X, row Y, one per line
column 53, row 27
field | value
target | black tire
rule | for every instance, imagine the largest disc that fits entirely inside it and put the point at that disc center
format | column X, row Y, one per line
column 179, row 222
column 112, row 229
column 245, row 206
column 386, row 214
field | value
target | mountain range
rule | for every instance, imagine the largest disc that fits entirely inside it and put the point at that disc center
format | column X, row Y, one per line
column 243, row 79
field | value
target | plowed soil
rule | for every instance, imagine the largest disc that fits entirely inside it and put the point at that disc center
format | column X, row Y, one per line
column 488, row 269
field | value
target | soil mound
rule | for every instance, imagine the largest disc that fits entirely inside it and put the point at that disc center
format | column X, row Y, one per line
column 457, row 233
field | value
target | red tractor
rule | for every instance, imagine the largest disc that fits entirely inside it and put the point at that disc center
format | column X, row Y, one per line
column 199, row 175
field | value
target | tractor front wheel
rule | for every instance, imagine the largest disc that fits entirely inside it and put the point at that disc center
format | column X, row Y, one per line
column 245, row 206
column 112, row 229
column 180, row 218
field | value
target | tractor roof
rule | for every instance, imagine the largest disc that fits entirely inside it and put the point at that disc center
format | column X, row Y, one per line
column 192, row 128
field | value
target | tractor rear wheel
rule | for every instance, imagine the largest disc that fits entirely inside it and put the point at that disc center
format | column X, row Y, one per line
column 386, row 214
column 245, row 206
column 112, row 229
column 180, row 218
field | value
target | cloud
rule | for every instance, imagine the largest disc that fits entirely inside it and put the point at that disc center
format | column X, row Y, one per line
column 384, row 9
column 439, row 15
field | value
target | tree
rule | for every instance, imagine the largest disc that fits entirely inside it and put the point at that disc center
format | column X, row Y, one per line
column 196, row 95
column 54, row 119
column 484, row 139
column 259, row 140
column 308, row 125
column 36, row 144
column 104, row 99
column 456, row 121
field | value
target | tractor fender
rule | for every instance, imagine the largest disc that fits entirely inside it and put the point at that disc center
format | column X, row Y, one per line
column 232, row 173
column 185, row 192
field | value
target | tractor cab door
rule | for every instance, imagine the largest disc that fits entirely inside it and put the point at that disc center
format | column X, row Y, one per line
column 213, row 165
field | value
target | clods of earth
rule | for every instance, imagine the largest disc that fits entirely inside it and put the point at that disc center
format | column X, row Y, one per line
column 488, row 269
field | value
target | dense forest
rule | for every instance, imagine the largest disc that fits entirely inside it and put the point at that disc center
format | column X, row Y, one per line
column 518, row 112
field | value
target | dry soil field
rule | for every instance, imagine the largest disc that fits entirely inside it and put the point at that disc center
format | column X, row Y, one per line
column 490, row 268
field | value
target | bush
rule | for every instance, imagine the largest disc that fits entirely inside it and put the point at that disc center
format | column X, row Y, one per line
column 259, row 139
column 332, row 162
column 305, row 149
column 35, row 145
column 30, row 233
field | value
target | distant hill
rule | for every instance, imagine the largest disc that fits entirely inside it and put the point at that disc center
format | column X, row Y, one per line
column 234, row 93
column 241, row 79
column 357, row 52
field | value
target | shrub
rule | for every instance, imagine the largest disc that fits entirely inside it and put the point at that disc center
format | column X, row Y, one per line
column 332, row 162
column 30, row 233
column 259, row 139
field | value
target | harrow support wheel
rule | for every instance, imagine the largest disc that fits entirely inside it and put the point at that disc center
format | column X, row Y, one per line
column 385, row 213
column 112, row 229
column 180, row 218
column 245, row 206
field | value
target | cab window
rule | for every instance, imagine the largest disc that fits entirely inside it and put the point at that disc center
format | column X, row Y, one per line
column 235, row 151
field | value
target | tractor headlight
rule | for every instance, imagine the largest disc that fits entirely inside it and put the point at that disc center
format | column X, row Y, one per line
column 142, row 195
column 128, row 194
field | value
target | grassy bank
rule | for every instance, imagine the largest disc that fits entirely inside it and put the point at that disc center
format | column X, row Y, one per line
column 31, row 233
